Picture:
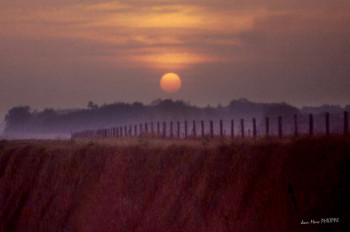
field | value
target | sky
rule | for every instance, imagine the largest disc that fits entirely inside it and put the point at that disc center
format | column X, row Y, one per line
column 64, row 53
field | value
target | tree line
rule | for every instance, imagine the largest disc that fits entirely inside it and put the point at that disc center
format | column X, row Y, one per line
column 22, row 119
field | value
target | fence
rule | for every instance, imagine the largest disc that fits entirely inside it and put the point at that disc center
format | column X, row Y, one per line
column 292, row 126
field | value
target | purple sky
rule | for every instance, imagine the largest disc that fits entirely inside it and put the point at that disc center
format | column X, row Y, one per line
column 63, row 53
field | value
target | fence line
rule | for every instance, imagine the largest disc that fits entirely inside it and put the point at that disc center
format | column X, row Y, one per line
column 313, row 127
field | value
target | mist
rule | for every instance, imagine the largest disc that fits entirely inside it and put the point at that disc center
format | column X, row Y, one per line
column 24, row 123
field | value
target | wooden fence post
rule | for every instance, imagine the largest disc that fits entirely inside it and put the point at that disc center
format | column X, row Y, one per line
column 152, row 131
column 202, row 131
column 254, row 128
column 164, row 129
column 158, row 128
column 242, row 128
column 211, row 129
column 232, row 129
column 146, row 128
column 121, row 131
column 185, row 129
column 267, row 126
column 171, row 129
column 311, row 124
column 130, row 130
column 194, row 129
column 141, row 131
column 280, row 133
column 296, row 125
column 221, row 129
column 126, row 130
column 178, row 129
column 346, row 123
column 327, row 124
column 135, row 130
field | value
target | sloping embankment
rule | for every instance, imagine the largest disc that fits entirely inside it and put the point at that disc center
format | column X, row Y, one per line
column 250, row 186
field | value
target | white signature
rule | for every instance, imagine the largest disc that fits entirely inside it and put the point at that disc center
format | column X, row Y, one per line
column 322, row 221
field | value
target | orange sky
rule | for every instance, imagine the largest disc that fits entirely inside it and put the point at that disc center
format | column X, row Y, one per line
column 263, row 50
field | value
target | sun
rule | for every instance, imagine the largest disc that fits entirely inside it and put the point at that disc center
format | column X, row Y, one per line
column 170, row 82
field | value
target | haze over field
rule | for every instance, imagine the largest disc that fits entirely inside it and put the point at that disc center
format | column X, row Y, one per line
column 63, row 53
column 24, row 122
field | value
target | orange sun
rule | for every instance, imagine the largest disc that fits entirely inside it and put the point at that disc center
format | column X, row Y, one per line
column 170, row 82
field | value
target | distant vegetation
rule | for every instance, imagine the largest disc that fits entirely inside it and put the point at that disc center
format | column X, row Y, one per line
column 22, row 120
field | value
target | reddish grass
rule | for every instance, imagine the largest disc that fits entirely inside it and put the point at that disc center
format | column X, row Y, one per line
column 174, row 186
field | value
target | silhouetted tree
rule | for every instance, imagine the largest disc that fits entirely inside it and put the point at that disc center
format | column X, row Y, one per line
column 17, row 118
column 92, row 105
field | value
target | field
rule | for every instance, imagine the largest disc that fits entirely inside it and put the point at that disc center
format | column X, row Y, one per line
column 170, row 185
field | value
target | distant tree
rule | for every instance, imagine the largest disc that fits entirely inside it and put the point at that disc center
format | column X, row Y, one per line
column 47, row 114
column 18, row 118
column 333, row 109
column 281, row 109
column 92, row 105
column 156, row 102
column 347, row 108
column 137, row 104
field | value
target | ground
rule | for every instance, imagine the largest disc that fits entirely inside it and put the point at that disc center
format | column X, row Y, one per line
column 150, row 184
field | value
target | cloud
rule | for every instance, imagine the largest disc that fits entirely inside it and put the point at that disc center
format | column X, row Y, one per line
column 270, row 43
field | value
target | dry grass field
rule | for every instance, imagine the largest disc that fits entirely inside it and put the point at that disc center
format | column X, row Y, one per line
column 169, row 185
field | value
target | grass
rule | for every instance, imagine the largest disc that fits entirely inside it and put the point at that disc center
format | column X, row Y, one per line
column 174, row 185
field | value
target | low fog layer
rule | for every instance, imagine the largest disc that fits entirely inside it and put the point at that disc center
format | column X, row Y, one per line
column 22, row 122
